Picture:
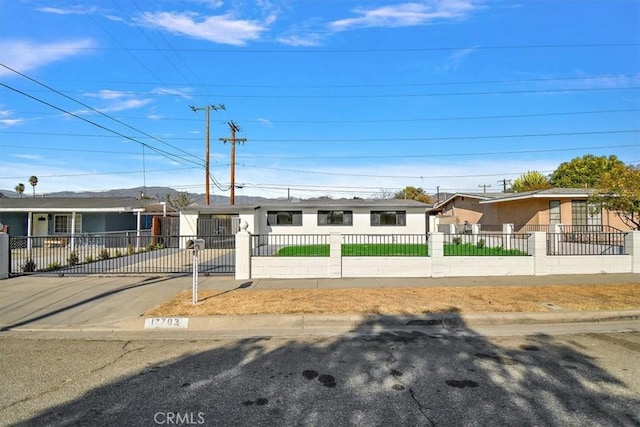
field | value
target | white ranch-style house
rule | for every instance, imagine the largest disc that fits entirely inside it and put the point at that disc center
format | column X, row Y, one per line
column 346, row 216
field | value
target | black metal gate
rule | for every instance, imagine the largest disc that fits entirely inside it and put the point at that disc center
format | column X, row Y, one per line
column 118, row 253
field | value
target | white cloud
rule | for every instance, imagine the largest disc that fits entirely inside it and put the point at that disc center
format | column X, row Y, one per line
column 28, row 156
column 454, row 60
column 25, row 56
column 407, row 14
column 183, row 92
column 11, row 122
column 265, row 122
column 155, row 116
column 78, row 10
column 7, row 118
column 129, row 104
column 222, row 29
column 108, row 94
column 301, row 40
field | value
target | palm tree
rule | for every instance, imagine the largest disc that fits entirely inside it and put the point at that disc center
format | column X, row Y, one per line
column 33, row 180
column 19, row 189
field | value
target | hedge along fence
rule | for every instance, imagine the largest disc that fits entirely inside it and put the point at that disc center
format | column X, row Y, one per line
column 486, row 244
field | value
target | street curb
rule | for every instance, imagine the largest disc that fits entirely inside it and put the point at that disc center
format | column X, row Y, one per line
column 350, row 322
column 316, row 324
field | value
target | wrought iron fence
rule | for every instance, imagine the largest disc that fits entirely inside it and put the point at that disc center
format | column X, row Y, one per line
column 409, row 245
column 497, row 244
column 114, row 253
column 308, row 245
column 530, row 228
column 586, row 243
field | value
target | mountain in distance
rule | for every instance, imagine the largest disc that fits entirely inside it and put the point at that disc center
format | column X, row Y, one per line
column 137, row 192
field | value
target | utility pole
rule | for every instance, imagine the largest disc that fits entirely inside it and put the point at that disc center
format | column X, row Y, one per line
column 504, row 184
column 234, row 128
column 484, row 187
column 206, row 156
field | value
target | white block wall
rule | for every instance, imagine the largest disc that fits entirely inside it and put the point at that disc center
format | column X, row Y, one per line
column 485, row 266
column 289, row 267
column 437, row 265
column 386, row 266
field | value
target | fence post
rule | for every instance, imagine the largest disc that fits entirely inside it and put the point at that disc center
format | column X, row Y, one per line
column 243, row 253
column 453, row 229
column 475, row 234
column 632, row 248
column 537, row 245
column 507, row 231
column 556, row 232
column 436, row 252
column 4, row 256
column 335, row 255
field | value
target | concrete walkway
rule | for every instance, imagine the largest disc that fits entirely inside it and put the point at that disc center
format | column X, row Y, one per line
column 117, row 303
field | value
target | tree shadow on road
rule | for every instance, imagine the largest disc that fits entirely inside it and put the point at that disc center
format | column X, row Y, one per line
column 410, row 375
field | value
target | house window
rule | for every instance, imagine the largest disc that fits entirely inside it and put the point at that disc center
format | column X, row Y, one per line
column 335, row 217
column 583, row 213
column 62, row 224
column 554, row 212
column 293, row 218
column 381, row 218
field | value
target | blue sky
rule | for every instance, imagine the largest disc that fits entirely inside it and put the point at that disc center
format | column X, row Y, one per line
column 339, row 98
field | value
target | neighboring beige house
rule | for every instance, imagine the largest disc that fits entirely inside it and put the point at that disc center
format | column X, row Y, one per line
column 568, row 206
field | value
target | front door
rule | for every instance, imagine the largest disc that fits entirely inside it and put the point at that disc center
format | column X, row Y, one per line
column 40, row 225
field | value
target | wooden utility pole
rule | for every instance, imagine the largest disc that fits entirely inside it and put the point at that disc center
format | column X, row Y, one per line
column 504, row 184
column 206, row 156
column 484, row 187
column 234, row 128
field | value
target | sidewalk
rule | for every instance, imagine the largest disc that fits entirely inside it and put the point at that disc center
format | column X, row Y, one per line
column 90, row 303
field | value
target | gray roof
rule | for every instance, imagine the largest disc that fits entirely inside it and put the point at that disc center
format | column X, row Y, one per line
column 548, row 193
column 34, row 204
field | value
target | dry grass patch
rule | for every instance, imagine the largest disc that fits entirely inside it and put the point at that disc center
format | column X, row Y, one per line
column 403, row 300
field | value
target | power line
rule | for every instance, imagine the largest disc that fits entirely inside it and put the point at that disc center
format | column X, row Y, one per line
column 403, row 120
column 380, row 85
column 299, row 51
column 92, row 109
column 449, row 138
column 349, row 156
column 415, row 95
column 166, row 153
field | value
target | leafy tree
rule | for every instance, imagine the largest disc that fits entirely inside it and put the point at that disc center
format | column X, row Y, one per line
column 20, row 189
column 413, row 193
column 584, row 172
column 33, row 180
column 178, row 201
column 529, row 181
column 619, row 192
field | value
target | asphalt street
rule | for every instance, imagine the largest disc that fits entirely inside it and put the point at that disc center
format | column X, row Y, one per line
column 387, row 379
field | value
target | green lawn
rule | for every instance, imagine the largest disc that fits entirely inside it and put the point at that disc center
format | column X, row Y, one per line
column 395, row 249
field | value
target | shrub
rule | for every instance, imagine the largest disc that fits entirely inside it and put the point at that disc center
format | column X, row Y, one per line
column 481, row 244
column 104, row 254
column 29, row 266
column 73, row 258
column 53, row 266
column 457, row 240
column 88, row 259
column 130, row 249
column 118, row 253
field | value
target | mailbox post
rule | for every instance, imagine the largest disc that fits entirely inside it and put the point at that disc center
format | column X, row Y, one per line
column 195, row 245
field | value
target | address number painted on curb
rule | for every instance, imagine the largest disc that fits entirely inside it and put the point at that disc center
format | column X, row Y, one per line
column 166, row 323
